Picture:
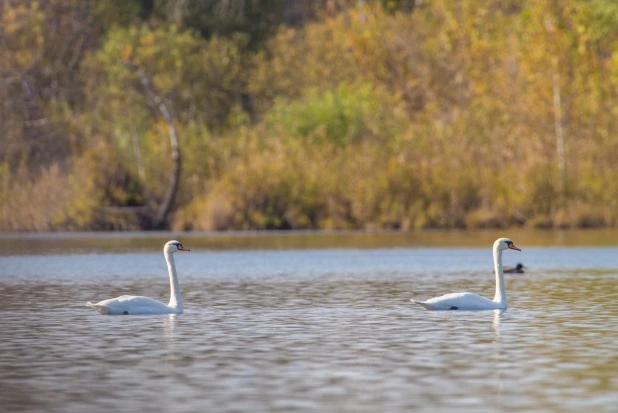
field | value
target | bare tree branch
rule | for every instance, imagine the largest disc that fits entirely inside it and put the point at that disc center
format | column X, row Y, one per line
column 559, row 135
column 165, row 207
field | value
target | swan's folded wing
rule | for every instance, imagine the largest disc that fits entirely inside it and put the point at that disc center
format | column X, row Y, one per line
column 428, row 306
column 130, row 305
column 100, row 308
column 458, row 301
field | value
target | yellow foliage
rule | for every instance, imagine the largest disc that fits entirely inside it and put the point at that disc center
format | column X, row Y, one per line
column 23, row 30
column 363, row 118
column 40, row 203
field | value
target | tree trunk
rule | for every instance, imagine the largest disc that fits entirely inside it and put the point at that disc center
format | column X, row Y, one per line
column 559, row 137
column 160, row 218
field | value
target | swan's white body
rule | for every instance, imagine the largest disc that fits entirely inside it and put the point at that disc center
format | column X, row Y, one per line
column 461, row 301
column 470, row 301
column 134, row 305
column 137, row 305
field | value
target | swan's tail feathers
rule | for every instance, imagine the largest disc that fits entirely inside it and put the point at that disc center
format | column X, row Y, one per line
column 100, row 308
column 426, row 306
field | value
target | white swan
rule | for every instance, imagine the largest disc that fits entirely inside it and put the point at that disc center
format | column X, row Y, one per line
column 469, row 301
column 136, row 305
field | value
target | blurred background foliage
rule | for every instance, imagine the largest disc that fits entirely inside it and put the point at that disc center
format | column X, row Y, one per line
column 329, row 114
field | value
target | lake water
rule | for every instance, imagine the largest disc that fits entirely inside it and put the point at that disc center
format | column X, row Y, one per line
column 309, row 323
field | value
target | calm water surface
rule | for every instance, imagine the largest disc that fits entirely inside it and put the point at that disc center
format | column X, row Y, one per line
column 309, row 323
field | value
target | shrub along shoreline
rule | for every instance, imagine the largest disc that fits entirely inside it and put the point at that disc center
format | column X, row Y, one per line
column 483, row 115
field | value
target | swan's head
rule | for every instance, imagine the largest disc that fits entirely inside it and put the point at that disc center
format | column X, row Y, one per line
column 502, row 244
column 173, row 246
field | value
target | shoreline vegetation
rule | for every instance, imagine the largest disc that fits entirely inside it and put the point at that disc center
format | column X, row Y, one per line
column 311, row 115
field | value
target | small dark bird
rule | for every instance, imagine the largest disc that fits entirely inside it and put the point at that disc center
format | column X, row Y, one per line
column 519, row 268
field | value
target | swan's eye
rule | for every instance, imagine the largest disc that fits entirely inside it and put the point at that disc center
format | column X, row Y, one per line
column 508, row 243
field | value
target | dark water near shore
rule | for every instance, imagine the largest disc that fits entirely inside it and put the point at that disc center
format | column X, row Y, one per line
column 306, row 323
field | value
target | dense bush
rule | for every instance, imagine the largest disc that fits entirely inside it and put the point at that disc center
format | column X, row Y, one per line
column 331, row 115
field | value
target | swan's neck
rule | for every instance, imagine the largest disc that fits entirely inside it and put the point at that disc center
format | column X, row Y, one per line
column 500, row 296
column 175, row 299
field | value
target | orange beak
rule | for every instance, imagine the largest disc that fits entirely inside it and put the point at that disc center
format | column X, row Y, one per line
column 514, row 247
column 181, row 248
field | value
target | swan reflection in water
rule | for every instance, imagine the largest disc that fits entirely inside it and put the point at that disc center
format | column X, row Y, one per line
column 169, row 325
column 496, row 324
column 497, row 353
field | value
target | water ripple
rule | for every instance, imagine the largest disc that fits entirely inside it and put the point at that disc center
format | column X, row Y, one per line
column 301, row 331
